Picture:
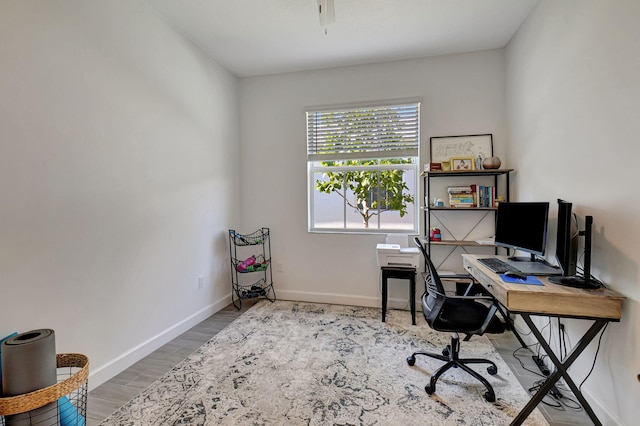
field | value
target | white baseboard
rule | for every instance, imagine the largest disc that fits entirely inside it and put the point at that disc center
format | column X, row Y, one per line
column 341, row 299
column 106, row 371
column 338, row 299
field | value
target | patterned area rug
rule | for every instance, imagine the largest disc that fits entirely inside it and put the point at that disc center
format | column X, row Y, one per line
column 289, row 363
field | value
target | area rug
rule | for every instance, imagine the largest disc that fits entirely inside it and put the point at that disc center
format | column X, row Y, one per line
column 290, row 363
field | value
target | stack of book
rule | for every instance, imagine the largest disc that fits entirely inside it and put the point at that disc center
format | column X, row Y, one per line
column 462, row 196
column 486, row 196
column 472, row 196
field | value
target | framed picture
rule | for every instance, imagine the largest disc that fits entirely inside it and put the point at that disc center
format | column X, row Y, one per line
column 444, row 148
column 462, row 163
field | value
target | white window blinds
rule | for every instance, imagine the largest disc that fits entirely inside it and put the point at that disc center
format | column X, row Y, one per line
column 384, row 131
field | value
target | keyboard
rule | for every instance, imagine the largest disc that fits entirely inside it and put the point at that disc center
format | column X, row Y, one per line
column 496, row 265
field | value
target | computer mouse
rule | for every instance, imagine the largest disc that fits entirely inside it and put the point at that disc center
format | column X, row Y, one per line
column 515, row 274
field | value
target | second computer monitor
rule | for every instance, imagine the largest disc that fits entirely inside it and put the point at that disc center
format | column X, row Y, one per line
column 567, row 238
column 523, row 226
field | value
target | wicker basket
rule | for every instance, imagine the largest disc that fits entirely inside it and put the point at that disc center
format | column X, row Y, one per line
column 72, row 371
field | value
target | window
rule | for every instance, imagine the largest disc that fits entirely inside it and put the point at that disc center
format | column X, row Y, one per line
column 363, row 168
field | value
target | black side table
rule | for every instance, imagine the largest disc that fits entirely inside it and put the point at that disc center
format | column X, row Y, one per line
column 404, row 274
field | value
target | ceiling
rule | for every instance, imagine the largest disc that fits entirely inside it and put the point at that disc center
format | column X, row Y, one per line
column 257, row 37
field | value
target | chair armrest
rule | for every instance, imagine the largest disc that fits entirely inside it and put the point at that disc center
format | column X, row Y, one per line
column 492, row 313
column 494, row 308
column 490, row 298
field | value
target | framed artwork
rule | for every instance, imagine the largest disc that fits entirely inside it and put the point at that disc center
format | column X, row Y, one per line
column 444, row 148
column 462, row 163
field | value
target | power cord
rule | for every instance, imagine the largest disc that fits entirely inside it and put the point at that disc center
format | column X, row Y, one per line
column 595, row 357
column 522, row 365
column 558, row 399
column 555, row 398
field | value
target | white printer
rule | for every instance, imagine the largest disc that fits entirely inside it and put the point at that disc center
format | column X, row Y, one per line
column 396, row 253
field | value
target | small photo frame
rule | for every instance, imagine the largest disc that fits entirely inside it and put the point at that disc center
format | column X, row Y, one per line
column 462, row 163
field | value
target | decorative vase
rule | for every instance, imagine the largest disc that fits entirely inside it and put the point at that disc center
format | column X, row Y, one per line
column 491, row 163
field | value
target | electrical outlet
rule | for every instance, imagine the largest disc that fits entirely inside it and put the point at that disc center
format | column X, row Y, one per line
column 279, row 267
column 200, row 283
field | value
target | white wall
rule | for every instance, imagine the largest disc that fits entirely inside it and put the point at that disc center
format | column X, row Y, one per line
column 462, row 94
column 574, row 120
column 118, row 178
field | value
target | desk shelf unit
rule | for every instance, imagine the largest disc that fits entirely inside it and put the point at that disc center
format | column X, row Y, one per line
column 441, row 214
column 255, row 281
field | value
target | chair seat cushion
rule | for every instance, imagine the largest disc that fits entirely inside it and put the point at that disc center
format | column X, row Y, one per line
column 465, row 316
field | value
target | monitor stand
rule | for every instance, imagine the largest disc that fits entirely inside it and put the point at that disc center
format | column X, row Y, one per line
column 577, row 282
column 586, row 281
column 531, row 258
column 523, row 258
column 532, row 266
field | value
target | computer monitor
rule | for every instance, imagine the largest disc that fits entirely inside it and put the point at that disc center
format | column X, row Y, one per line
column 567, row 249
column 567, row 238
column 522, row 226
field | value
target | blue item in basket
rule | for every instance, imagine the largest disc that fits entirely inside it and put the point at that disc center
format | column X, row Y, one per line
column 69, row 415
column 2, row 340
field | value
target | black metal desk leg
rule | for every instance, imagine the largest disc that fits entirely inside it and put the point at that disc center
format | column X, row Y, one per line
column 561, row 369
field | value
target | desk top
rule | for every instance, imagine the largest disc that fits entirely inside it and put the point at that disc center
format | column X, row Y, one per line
column 547, row 299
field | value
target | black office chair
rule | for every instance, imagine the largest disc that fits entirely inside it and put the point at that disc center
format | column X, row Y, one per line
column 470, row 315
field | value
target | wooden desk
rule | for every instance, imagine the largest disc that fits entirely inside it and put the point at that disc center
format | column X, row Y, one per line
column 548, row 299
column 600, row 306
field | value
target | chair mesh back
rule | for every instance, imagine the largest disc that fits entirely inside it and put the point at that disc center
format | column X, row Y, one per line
column 433, row 283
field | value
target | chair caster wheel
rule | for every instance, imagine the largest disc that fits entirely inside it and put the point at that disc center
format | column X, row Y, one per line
column 411, row 360
column 492, row 369
column 429, row 389
column 445, row 351
column 489, row 397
